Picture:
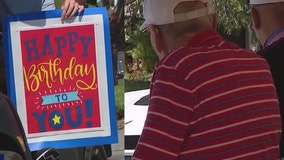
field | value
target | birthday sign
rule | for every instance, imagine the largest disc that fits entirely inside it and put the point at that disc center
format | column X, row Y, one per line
column 60, row 76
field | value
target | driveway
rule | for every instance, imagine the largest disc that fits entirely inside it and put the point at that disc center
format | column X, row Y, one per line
column 118, row 149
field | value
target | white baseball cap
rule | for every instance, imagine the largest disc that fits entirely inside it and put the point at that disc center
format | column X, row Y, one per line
column 160, row 12
column 264, row 1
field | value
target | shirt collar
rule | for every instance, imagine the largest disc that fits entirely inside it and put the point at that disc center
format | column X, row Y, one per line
column 204, row 37
column 275, row 36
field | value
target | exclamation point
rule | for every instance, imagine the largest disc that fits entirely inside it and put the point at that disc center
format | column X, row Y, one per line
column 89, row 109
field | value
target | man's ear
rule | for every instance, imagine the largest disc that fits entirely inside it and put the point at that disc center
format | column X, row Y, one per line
column 213, row 20
column 255, row 18
column 156, row 40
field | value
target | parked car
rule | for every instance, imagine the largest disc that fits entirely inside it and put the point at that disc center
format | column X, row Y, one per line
column 100, row 152
column 135, row 112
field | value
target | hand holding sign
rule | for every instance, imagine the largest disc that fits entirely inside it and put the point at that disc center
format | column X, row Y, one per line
column 71, row 7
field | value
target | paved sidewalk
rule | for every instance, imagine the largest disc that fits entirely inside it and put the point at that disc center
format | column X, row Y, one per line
column 118, row 149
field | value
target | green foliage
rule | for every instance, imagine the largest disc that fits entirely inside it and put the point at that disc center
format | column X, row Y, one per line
column 58, row 3
column 137, row 42
column 232, row 15
column 139, row 47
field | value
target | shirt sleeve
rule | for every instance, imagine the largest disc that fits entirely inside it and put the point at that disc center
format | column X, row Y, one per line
column 48, row 5
column 168, row 117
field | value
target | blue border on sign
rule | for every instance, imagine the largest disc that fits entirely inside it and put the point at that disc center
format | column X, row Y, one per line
column 113, row 138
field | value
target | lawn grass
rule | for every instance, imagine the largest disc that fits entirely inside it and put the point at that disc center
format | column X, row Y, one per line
column 119, row 98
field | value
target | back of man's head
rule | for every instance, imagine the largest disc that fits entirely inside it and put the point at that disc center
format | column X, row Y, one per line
column 267, row 17
column 269, row 7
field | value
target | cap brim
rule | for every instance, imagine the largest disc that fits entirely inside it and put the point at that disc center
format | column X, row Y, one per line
column 144, row 26
column 255, row 2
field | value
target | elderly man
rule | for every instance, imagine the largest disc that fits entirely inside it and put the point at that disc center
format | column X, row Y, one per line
column 268, row 23
column 209, row 98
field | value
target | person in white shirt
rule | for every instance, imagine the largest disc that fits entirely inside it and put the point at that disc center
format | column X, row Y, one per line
column 47, row 5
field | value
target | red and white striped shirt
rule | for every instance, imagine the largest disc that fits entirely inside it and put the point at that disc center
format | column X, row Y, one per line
column 211, row 100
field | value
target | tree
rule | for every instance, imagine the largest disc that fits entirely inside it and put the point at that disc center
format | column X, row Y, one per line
column 137, row 43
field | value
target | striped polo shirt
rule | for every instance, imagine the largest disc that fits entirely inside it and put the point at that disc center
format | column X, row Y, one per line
column 211, row 100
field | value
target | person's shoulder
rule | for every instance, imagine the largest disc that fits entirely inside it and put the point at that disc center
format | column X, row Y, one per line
column 236, row 50
column 2, row 95
column 4, row 100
